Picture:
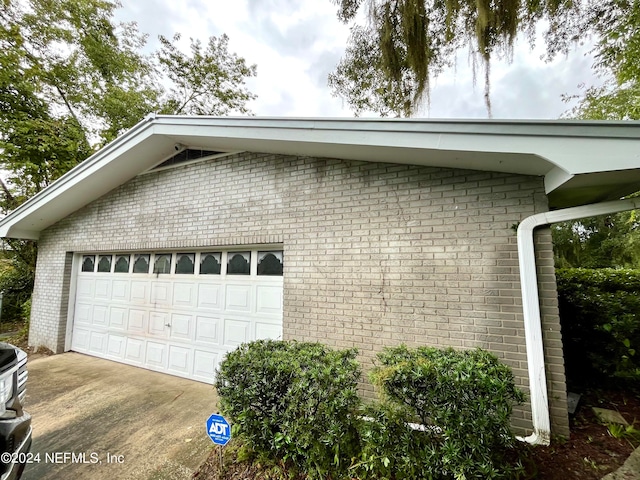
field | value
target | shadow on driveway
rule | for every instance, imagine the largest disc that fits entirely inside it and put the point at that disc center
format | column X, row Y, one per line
column 97, row 419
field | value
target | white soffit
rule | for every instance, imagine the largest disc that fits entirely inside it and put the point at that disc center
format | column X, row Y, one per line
column 570, row 154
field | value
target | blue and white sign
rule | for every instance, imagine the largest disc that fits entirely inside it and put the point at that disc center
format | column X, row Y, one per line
column 218, row 429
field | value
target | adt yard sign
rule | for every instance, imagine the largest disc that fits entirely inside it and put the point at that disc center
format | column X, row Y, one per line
column 218, row 429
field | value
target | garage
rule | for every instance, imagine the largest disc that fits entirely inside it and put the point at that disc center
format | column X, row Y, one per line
column 175, row 312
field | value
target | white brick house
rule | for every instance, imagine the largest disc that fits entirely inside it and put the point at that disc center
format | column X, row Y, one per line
column 189, row 235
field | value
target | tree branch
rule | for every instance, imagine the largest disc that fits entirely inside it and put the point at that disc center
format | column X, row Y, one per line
column 11, row 200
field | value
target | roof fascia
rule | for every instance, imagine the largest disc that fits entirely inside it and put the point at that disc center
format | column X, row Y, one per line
column 557, row 149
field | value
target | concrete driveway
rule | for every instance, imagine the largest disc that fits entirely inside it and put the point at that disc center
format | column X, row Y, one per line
column 96, row 419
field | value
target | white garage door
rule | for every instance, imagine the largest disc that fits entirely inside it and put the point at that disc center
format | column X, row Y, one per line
column 176, row 312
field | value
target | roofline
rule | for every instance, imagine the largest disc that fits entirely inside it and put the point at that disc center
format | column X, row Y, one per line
column 333, row 135
column 520, row 127
column 78, row 171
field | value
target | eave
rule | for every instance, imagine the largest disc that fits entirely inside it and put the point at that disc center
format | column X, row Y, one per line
column 581, row 162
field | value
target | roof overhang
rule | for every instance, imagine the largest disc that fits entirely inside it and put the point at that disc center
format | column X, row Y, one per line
column 581, row 162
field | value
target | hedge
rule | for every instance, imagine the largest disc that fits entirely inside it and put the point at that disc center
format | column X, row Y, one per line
column 295, row 404
column 600, row 318
column 293, row 401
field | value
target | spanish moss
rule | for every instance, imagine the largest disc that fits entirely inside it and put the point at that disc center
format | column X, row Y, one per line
column 419, row 38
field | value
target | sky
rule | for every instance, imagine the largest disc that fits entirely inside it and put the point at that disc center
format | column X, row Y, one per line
column 297, row 43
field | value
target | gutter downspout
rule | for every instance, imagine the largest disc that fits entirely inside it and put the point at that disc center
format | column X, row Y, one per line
column 531, row 304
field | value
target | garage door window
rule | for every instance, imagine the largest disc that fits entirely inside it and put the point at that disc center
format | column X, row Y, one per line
column 270, row 263
column 162, row 263
column 239, row 263
column 248, row 262
column 88, row 263
column 141, row 263
column 104, row 264
column 185, row 263
column 210, row 263
column 122, row 264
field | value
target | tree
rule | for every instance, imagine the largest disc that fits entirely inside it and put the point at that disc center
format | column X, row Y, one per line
column 359, row 79
column 418, row 38
column 71, row 80
column 617, row 57
column 611, row 241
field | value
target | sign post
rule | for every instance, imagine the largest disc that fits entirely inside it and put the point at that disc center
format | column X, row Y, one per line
column 218, row 429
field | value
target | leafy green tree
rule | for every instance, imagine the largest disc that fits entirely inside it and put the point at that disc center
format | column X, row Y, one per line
column 359, row 79
column 610, row 241
column 72, row 80
column 618, row 62
column 414, row 40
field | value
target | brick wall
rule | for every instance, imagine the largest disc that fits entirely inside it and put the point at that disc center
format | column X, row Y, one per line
column 375, row 254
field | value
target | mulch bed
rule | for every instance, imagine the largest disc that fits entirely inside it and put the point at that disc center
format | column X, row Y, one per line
column 590, row 453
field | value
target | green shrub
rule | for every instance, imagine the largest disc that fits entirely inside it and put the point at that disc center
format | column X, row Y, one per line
column 293, row 401
column 600, row 318
column 392, row 449
column 25, row 310
column 467, row 395
column 16, row 285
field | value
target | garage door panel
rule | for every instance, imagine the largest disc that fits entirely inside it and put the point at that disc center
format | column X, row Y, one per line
column 98, row 342
column 85, row 287
column 116, row 346
column 156, row 355
column 140, row 292
column 268, row 330
column 236, row 332
column 120, row 291
column 81, row 339
column 269, row 299
column 161, row 294
column 179, row 360
column 210, row 296
column 137, row 321
column 83, row 313
column 134, row 350
column 100, row 315
column 181, row 327
column 118, row 318
column 208, row 330
column 204, row 365
column 184, row 295
column 102, row 289
column 238, row 298
column 158, row 322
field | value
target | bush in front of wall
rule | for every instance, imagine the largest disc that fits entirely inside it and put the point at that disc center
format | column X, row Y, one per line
column 293, row 401
column 465, row 398
column 295, row 405
column 391, row 449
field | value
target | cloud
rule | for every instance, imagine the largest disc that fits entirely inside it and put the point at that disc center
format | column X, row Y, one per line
column 291, row 28
column 322, row 66
column 295, row 45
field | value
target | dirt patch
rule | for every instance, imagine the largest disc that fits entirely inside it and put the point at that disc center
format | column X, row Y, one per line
column 590, row 453
column 19, row 337
column 10, row 327
column 223, row 464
